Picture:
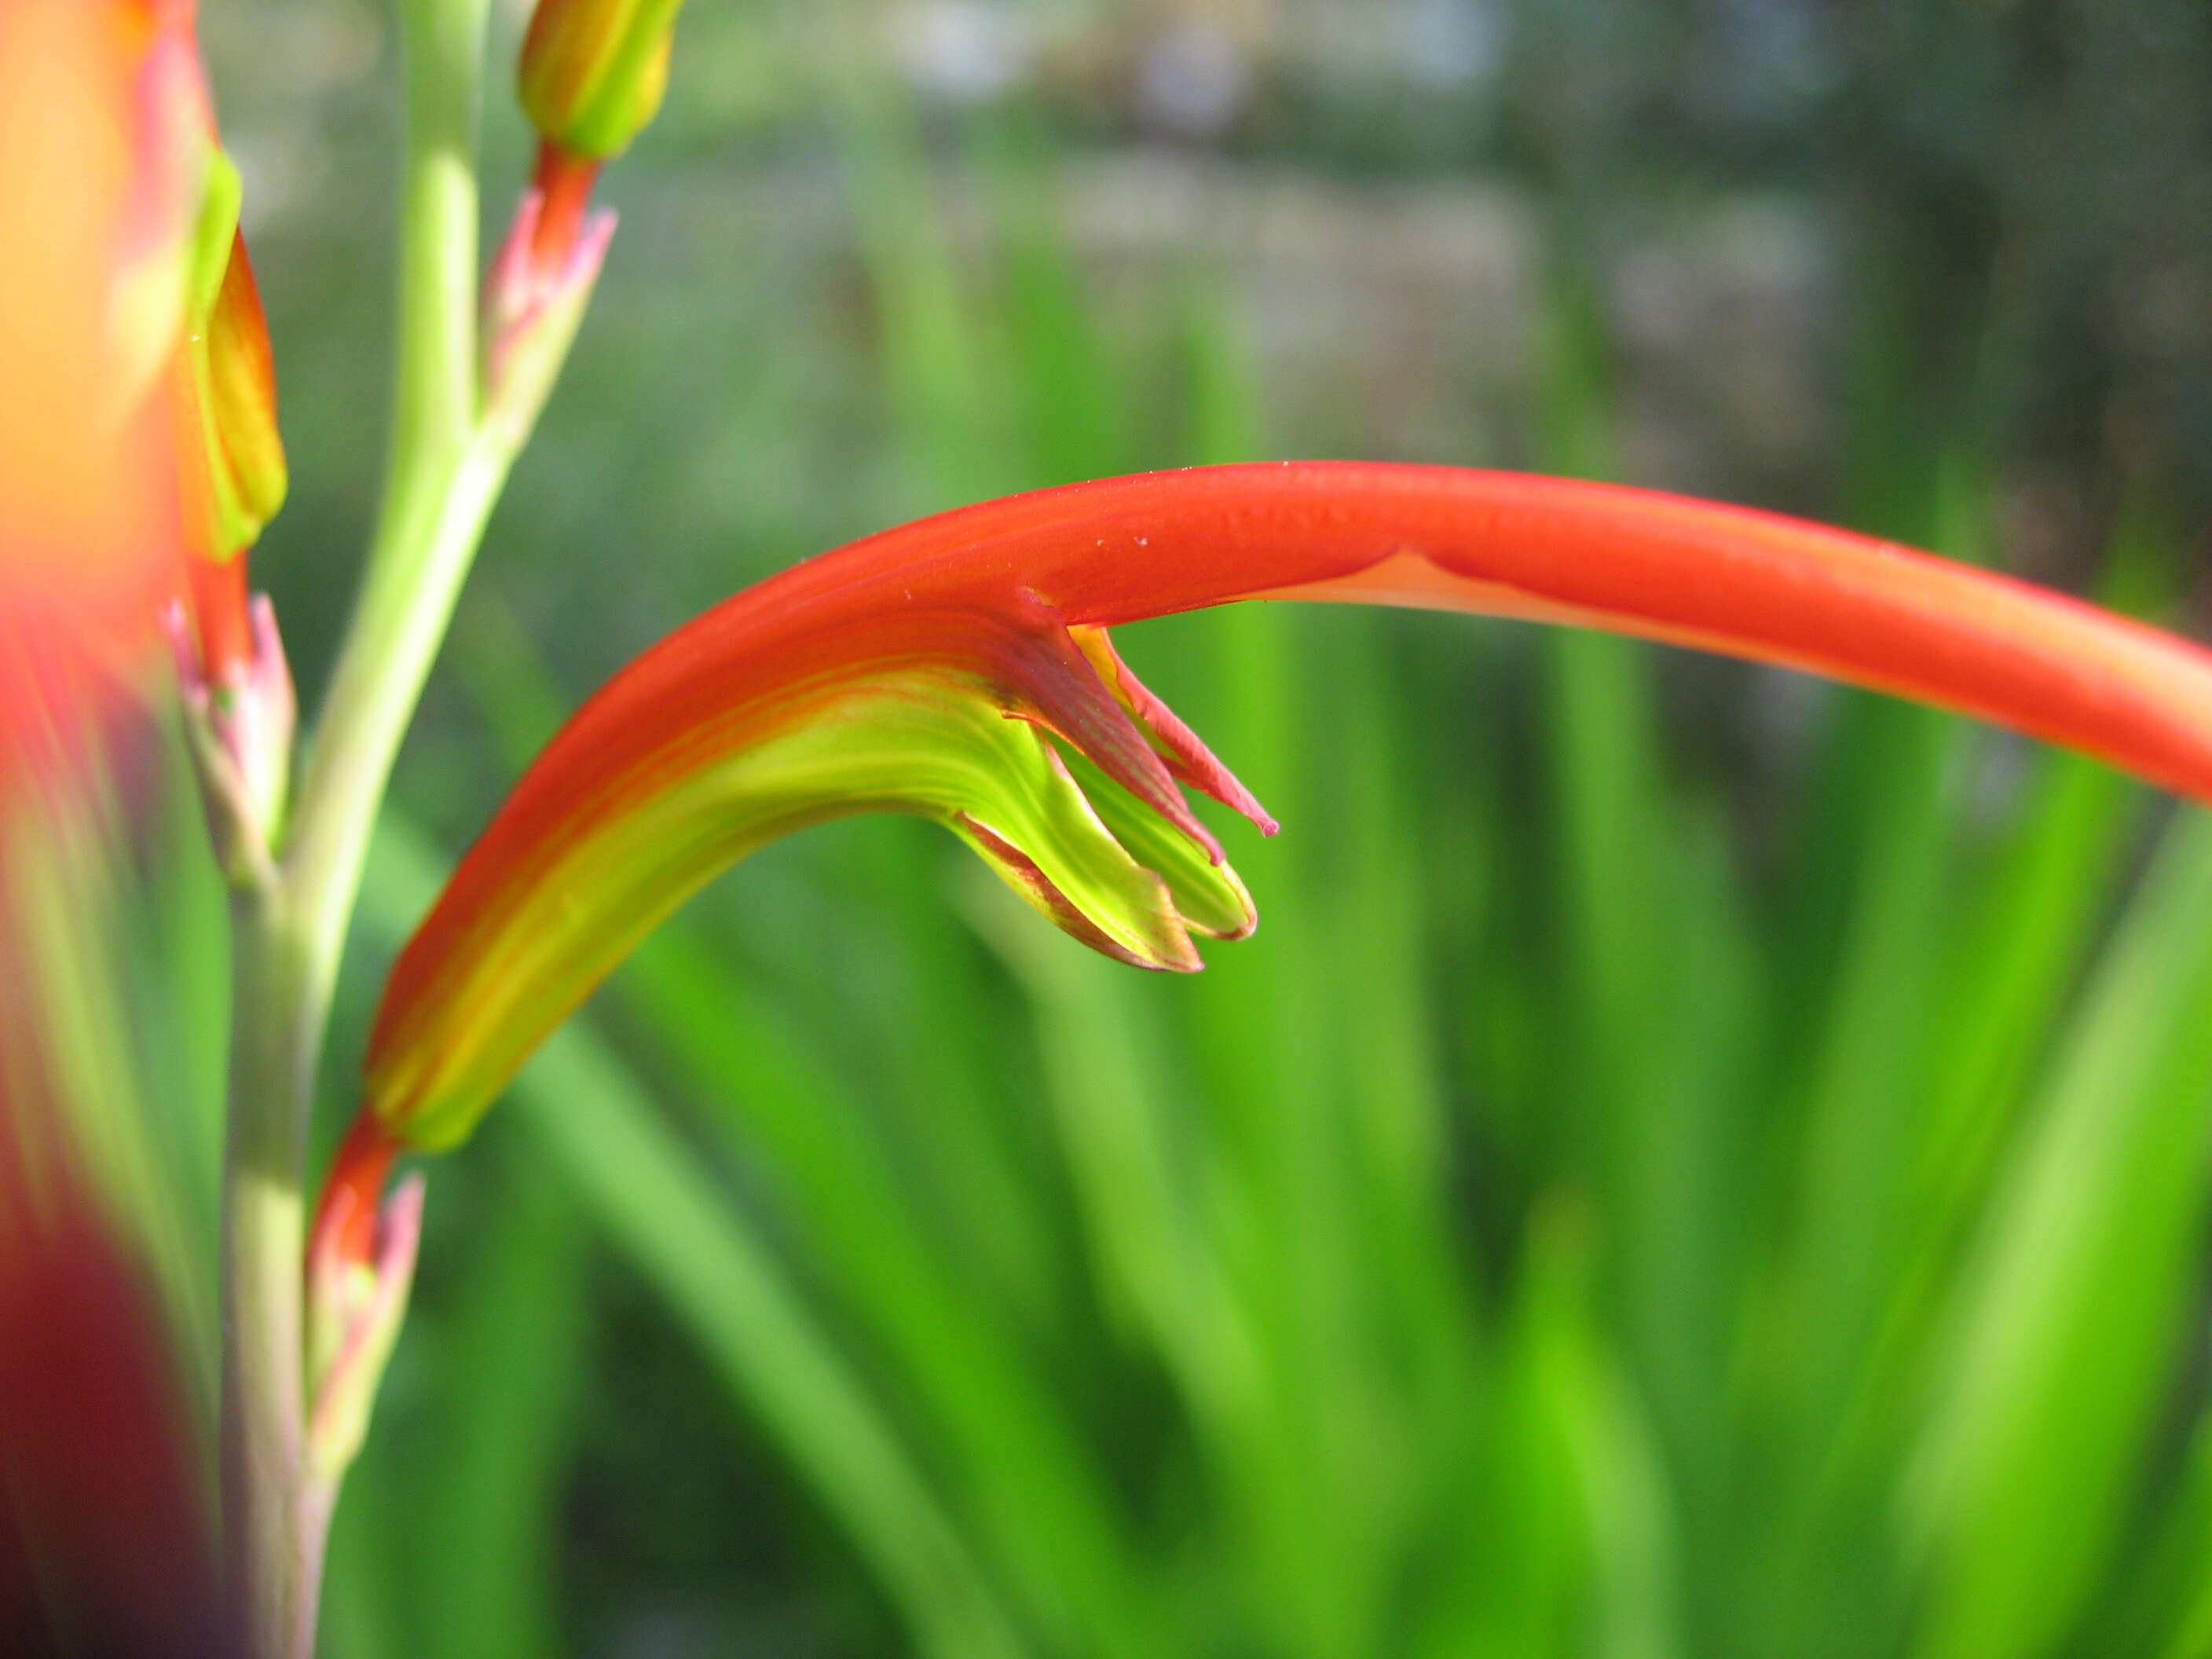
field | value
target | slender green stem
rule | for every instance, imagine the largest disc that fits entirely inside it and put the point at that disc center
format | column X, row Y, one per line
column 444, row 473
column 435, row 500
column 287, row 939
column 405, row 606
column 263, row 1452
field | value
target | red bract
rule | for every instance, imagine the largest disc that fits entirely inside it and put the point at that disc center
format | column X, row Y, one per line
column 701, row 749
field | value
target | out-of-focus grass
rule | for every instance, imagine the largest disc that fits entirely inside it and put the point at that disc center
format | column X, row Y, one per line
column 1594, row 1216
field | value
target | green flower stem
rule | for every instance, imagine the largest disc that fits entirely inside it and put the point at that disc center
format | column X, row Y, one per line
column 445, row 469
column 287, row 937
column 405, row 607
column 273, row 1521
column 440, row 486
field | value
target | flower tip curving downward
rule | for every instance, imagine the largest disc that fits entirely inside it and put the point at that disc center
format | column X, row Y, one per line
column 1138, row 873
column 982, row 710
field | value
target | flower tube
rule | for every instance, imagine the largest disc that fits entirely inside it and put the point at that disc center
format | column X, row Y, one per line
column 957, row 668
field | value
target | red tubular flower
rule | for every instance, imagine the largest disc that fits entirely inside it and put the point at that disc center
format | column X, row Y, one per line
column 956, row 668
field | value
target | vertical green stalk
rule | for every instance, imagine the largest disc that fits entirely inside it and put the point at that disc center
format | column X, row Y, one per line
column 272, row 1525
column 441, row 481
column 445, row 469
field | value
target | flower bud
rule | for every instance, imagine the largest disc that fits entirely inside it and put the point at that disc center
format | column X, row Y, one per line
column 593, row 71
column 359, row 1267
column 233, row 465
column 240, row 714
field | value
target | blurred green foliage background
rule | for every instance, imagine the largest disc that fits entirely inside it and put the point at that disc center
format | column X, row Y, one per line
column 1693, row 1163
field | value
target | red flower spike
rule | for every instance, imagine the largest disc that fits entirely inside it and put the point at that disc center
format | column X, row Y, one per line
column 701, row 750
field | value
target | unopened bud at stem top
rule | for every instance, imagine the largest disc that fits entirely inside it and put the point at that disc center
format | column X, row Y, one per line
column 593, row 71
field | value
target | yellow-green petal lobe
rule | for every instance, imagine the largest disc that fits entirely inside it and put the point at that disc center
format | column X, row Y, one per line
column 990, row 721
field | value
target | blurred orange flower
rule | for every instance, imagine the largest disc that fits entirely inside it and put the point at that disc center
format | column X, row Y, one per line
column 101, row 113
